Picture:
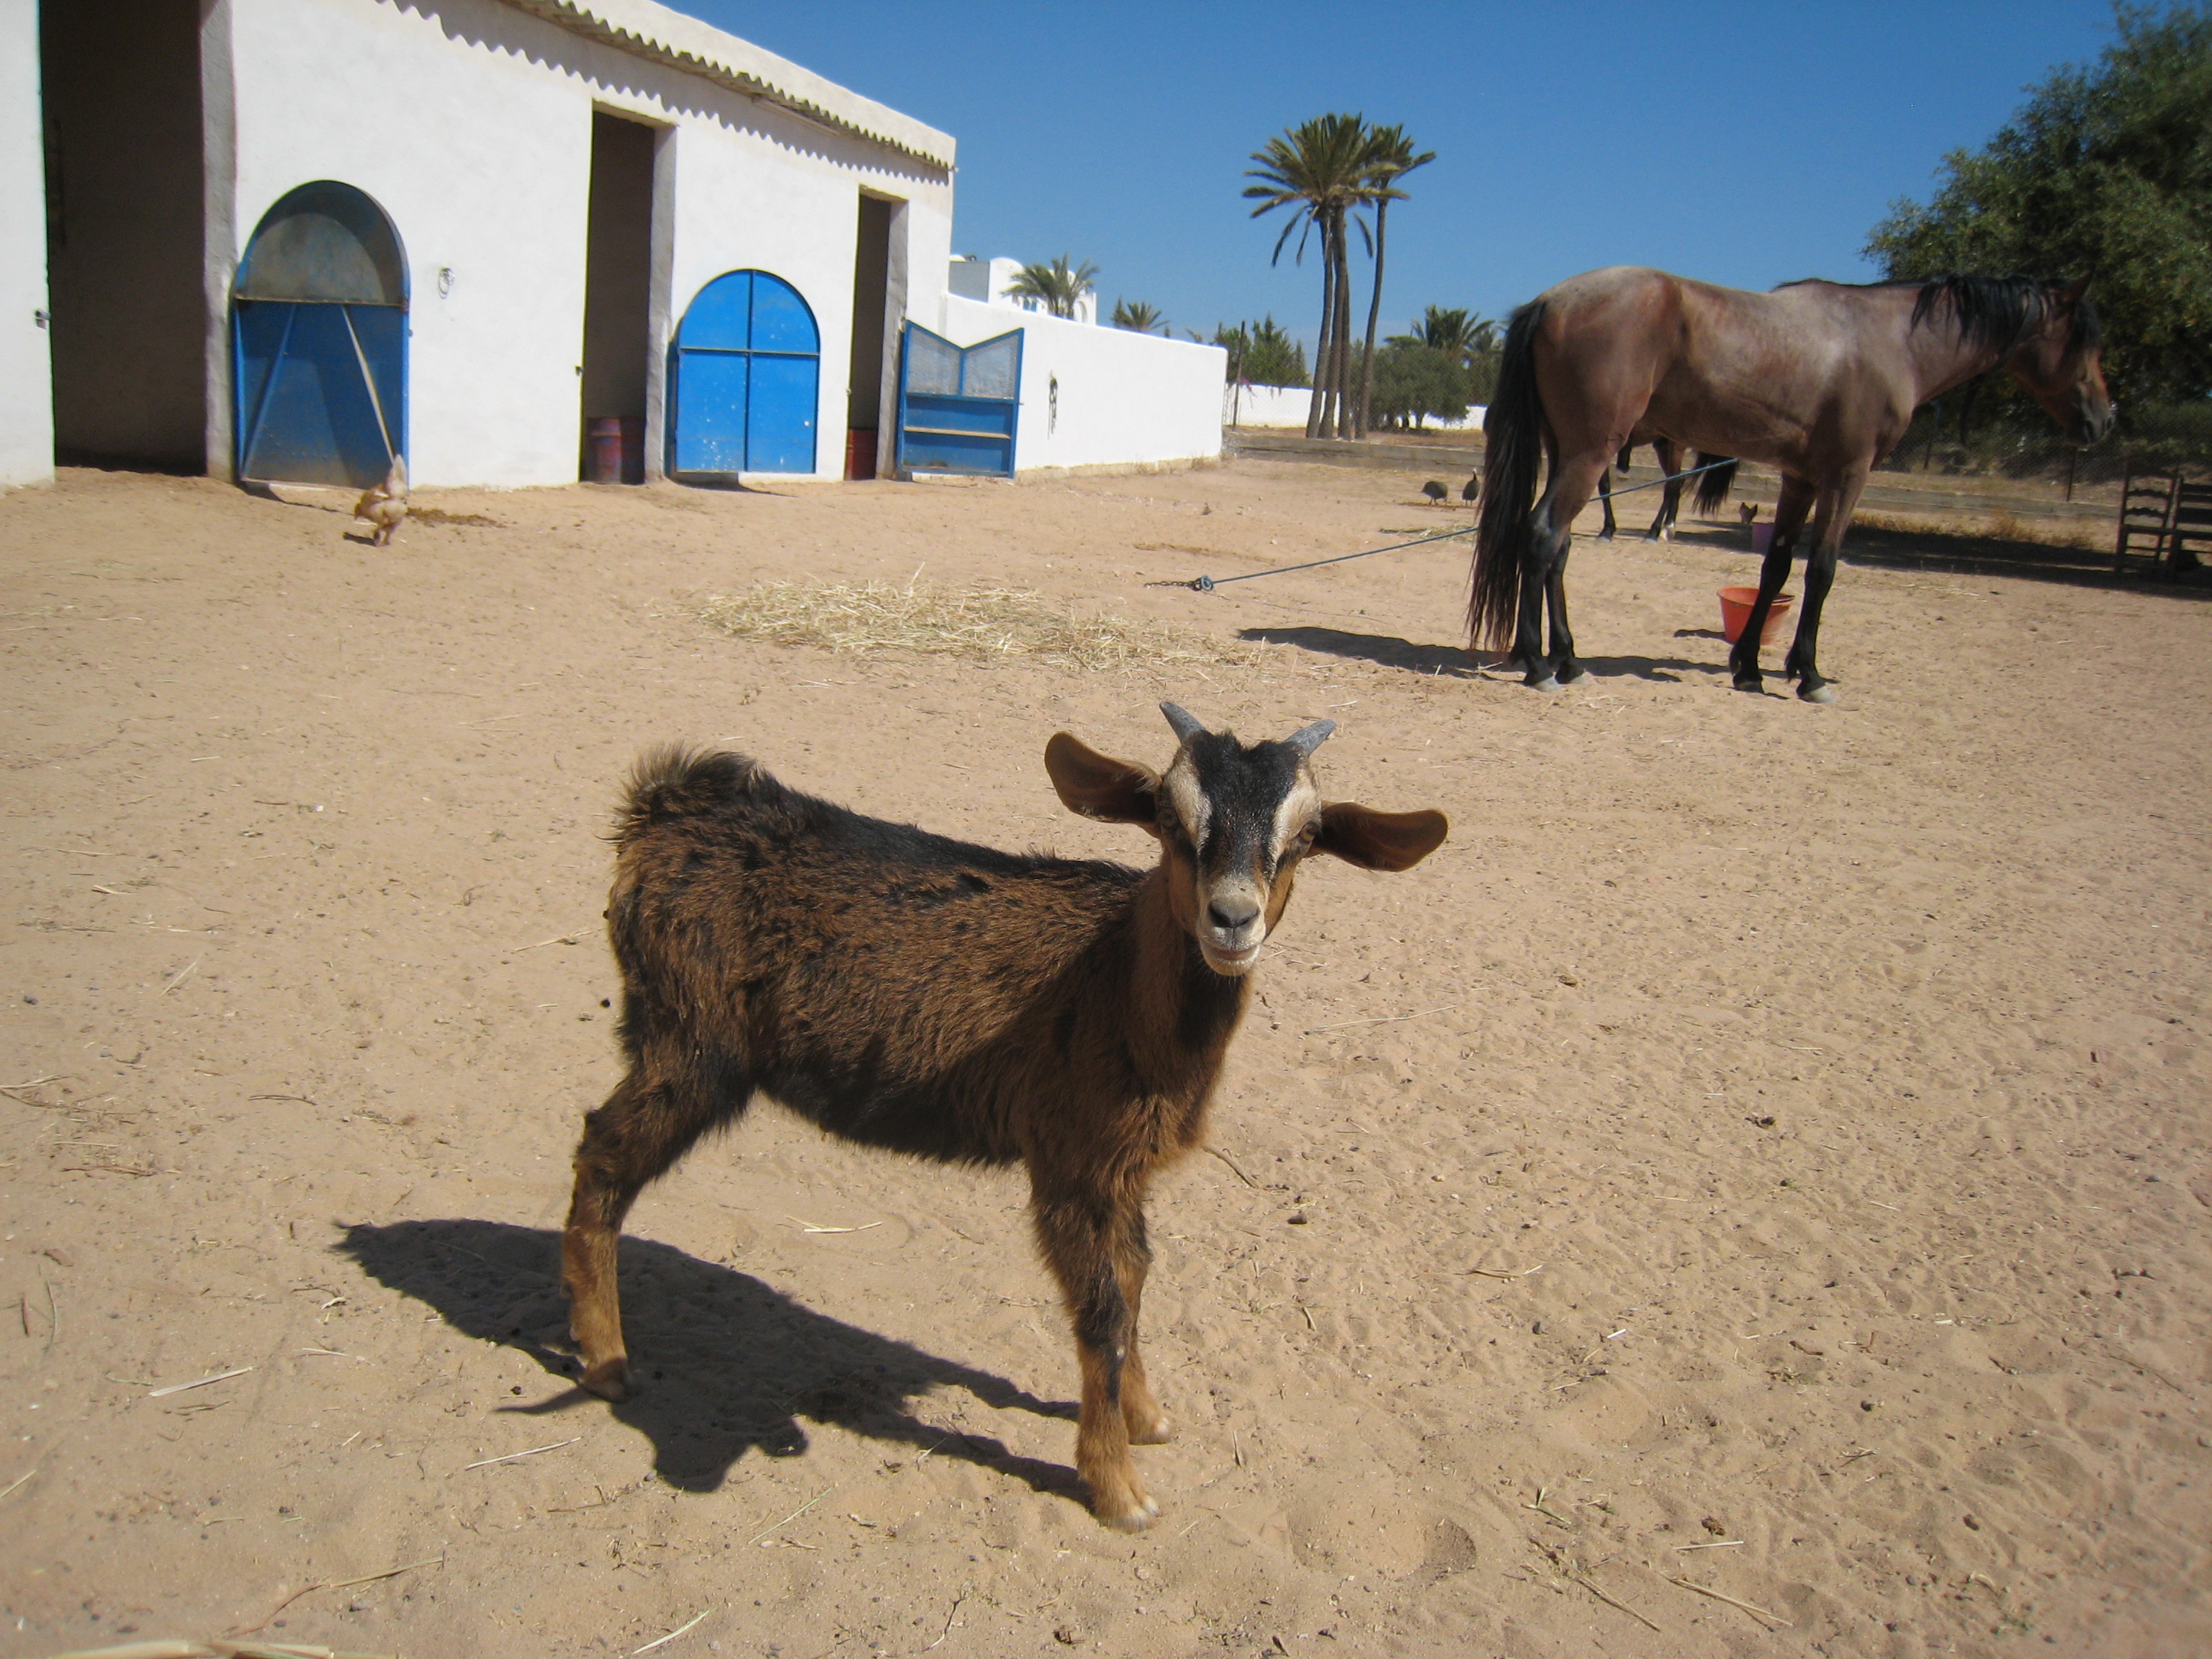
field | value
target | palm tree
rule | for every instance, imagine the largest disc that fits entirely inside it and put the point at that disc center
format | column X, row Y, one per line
column 1055, row 287
column 1452, row 330
column 1389, row 158
column 1139, row 318
column 1320, row 168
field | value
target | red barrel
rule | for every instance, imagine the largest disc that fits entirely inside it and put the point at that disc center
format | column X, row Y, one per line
column 603, row 449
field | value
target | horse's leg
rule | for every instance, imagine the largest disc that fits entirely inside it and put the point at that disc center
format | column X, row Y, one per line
column 1829, row 523
column 1797, row 498
column 1670, row 499
column 1564, row 668
column 1604, row 499
column 1543, row 577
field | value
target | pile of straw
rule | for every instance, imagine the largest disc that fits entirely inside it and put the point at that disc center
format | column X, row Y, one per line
column 982, row 624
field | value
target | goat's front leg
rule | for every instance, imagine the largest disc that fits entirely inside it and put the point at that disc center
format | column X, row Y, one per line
column 1078, row 1234
column 1141, row 1411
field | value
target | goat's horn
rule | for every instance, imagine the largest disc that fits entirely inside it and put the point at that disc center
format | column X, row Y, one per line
column 1306, row 738
column 1186, row 724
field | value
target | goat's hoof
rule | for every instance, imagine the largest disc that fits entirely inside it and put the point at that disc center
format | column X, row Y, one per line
column 1138, row 1516
column 1158, row 1433
column 609, row 1379
column 1821, row 693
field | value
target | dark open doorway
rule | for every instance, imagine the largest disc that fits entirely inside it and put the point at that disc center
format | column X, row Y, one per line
column 617, row 299
column 125, row 243
column 871, row 302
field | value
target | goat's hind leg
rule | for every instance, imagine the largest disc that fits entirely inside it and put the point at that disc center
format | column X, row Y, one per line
column 646, row 1124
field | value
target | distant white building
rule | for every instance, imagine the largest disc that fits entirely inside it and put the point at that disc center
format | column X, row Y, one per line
column 990, row 281
column 287, row 238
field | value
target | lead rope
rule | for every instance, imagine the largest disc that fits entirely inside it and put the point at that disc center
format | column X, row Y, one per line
column 1207, row 584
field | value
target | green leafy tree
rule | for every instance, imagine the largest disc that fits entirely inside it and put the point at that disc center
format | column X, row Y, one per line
column 1058, row 287
column 1415, row 381
column 1262, row 353
column 1319, row 169
column 1390, row 157
column 1139, row 318
column 2105, row 170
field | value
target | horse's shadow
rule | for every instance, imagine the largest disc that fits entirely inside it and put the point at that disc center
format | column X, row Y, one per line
column 1451, row 661
column 723, row 1364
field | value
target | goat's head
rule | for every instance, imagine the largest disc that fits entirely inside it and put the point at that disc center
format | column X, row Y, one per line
column 1233, row 820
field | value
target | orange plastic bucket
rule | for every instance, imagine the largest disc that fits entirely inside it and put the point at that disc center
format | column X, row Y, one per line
column 1736, row 611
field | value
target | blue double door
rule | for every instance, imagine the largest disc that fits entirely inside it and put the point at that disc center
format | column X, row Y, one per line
column 959, row 406
column 747, row 366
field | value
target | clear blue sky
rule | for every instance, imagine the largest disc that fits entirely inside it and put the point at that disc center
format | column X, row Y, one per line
column 1746, row 144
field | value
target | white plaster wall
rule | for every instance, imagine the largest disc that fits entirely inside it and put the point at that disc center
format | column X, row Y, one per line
column 1286, row 405
column 27, row 389
column 1264, row 405
column 469, row 123
column 1123, row 398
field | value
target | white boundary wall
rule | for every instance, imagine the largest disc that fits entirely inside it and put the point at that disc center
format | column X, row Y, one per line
column 26, row 399
column 469, row 123
column 1287, row 406
column 1098, row 397
column 1264, row 405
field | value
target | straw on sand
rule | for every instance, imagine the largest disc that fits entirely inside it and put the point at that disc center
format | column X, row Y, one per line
column 983, row 624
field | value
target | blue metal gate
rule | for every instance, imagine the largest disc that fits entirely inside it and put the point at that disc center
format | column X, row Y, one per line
column 318, row 342
column 958, row 407
column 747, row 369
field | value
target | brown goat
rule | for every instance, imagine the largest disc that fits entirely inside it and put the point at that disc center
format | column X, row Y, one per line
column 907, row 990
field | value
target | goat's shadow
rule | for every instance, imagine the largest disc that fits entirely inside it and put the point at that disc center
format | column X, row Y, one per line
column 1453, row 661
column 724, row 1364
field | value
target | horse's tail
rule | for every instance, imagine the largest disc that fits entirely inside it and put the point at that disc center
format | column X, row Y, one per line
column 1713, row 487
column 1514, row 436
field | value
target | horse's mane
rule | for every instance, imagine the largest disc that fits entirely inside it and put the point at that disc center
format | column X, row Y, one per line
column 1996, row 312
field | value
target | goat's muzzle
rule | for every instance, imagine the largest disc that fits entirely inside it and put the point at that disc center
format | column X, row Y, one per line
column 1231, row 928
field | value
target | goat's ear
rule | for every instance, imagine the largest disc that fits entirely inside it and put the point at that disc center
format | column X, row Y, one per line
column 1379, row 841
column 1095, row 786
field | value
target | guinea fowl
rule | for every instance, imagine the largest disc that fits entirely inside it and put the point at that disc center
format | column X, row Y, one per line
column 1435, row 491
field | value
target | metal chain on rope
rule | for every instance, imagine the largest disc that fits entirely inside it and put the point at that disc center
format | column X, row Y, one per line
column 1207, row 584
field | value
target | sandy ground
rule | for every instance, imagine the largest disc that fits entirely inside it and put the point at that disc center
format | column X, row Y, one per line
column 1764, row 1150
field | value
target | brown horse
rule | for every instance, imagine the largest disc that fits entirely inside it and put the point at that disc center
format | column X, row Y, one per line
column 1817, row 379
column 1716, row 477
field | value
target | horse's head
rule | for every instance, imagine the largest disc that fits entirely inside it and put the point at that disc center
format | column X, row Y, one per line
column 2058, row 362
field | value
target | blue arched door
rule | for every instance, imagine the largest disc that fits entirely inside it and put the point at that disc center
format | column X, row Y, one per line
column 318, row 342
column 748, row 367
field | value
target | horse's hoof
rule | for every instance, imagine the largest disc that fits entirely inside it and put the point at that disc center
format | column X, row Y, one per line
column 1547, row 684
column 1572, row 672
column 1755, row 685
column 1821, row 693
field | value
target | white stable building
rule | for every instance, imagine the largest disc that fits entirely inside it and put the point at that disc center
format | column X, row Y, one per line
column 518, row 241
